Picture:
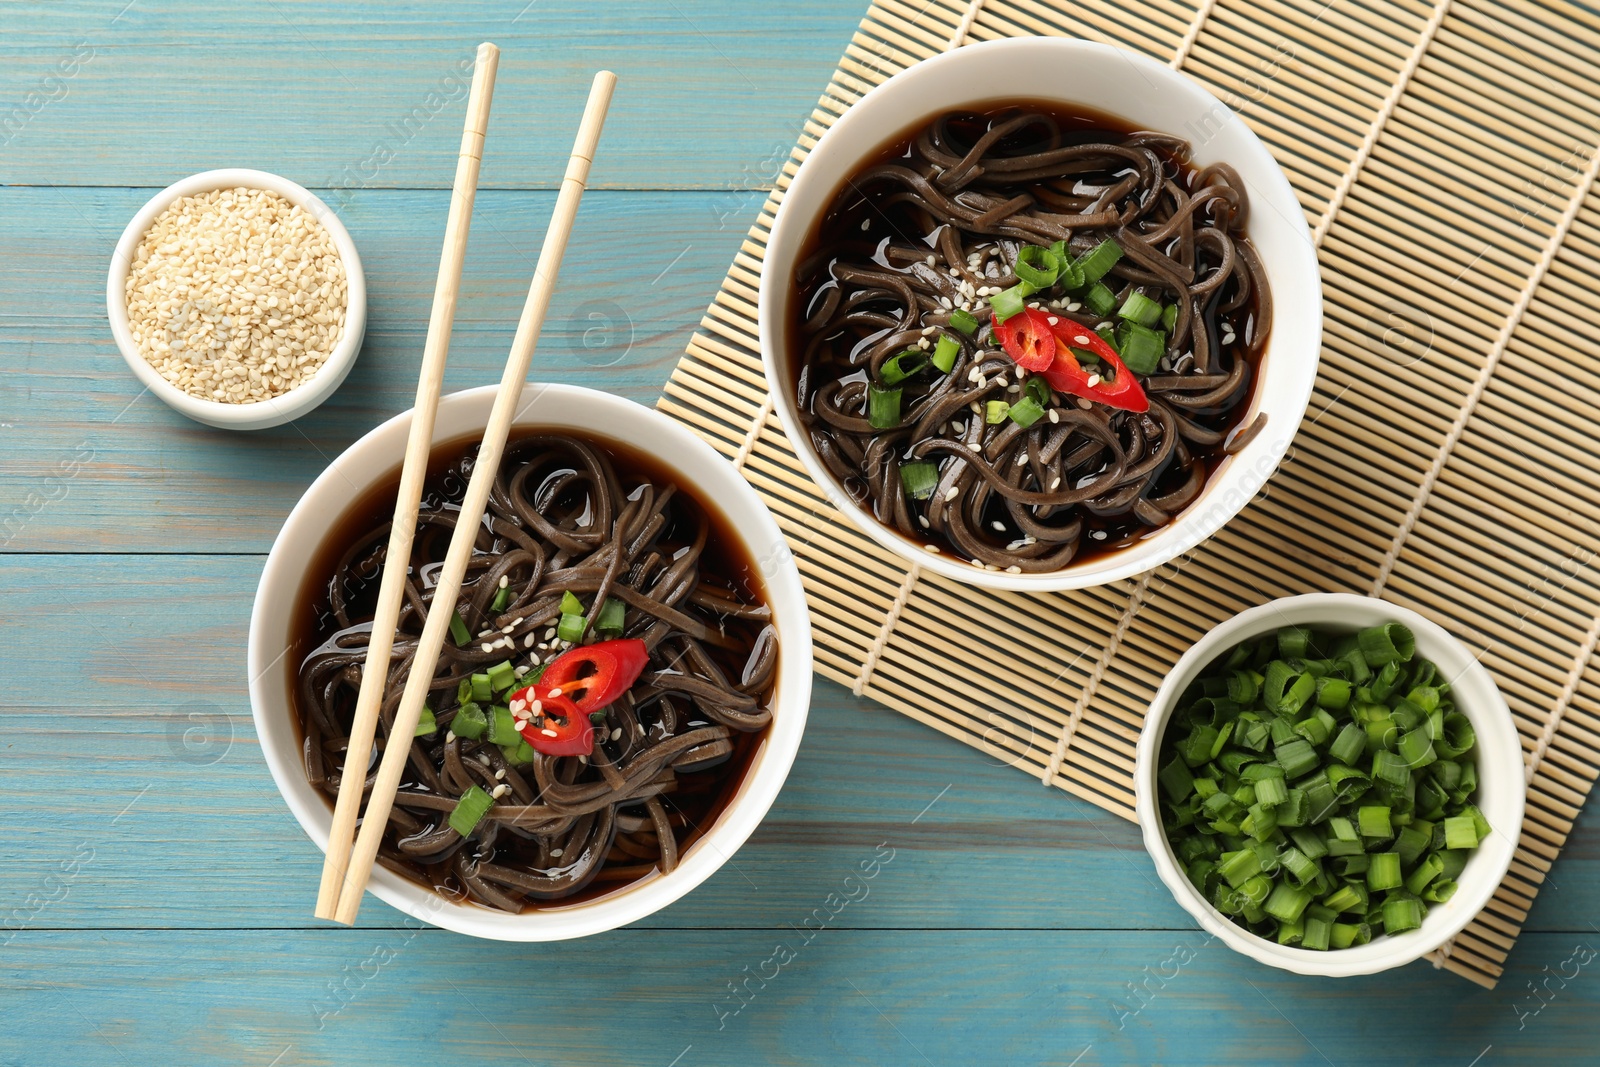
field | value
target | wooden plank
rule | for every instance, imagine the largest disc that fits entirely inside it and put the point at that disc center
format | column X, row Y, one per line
column 663, row 997
column 88, row 463
column 712, row 94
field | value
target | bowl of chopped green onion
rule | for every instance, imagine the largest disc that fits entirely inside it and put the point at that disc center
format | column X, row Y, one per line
column 1330, row 784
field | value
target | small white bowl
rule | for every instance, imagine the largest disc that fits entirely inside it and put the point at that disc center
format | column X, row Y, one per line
column 703, row 472
column 1502, row 792
column 265, row 413
column 1149, row 95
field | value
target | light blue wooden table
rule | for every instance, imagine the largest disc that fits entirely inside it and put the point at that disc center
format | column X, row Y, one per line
column 155, row 894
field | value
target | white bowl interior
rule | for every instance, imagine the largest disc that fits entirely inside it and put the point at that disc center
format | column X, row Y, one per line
column 1149, row 95
column 1501, row 788
column 714, row 482
column 266, row 413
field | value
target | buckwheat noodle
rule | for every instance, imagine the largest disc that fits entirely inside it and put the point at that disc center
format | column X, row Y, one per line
column 561, row 518
column 936, row 225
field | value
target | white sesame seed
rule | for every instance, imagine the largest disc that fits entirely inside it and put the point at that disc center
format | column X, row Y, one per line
column 550, row 634
column 1053, row 415
column 1022, row 457
column 1014, row 389
column 1084, row 403
column 528, row 642
column 1052, row 320
column 500, row 790
column 616, row 734
column 556, row 852
column 504, row 581
column 449, row 736
column 1013, row 569
column 950, row 493
column 928, row 330
column 945, row 302
column 865, row 223
column 549, row 733
column 488, row 648
column 485, row 633
column 923, row 343
column 999, row 527
column 535, row 707
column 507, row 629
column 930, row 260
column 923, row 519
column 1055, row 483
column 501, row 773
column 1080, row 340
column 524, row 669
column 1094, row 380
column 556, row 691
column 517, row 621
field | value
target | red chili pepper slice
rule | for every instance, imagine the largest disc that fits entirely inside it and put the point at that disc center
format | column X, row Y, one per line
column 1066, row 376
column 1027, row 338
column 578, row 682
column 559, row 727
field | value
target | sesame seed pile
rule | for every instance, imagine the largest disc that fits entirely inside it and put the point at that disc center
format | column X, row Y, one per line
column 236, row 295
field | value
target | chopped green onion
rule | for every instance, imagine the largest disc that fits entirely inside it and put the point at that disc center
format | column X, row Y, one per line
column 458, row 630
column 1140, row 347
column 1373, row 821
column 883, row 407
column 1100, row 299
column 1169, row 317
column 1008, row 302
column 427, row 725
column 963, row 321
column 1140, row 309
column 570, row 604
column 502, row 677
column 1026, row 412
column 613, row 617
column 897, row 369
column 470, row 722
column 520, row 754
column 995, row 412
column 945, row 353
column 1389, row 643
column 571, row 628
column 482, row 691
column 1460, row 832
column 1038, row 266
column 1098, row 260
column 1272, row 791
column 1349, row 745
column 918, row 479
column 1429, row 869
column 1401, row 914
column 1296, row 757
column 1383, row 872
column 1286, row 902
column 501, row 601
column 502, row 727
column 470, row 810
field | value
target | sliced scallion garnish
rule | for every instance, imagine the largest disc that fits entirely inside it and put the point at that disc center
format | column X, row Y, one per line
column 919, row 478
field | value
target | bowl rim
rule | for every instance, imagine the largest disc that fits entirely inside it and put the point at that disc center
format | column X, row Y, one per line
column 762, row 782
column 265, row 413
column 1216, row 506
column 1499, row 754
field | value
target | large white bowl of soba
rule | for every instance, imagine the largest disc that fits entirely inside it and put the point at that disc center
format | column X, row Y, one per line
column 623, row 691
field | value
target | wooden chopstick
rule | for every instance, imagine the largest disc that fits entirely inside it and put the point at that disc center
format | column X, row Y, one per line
column 375, row 674
column 467, row 525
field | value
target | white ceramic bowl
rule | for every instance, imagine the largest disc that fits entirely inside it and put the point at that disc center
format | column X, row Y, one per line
column 266, row 413
column 711, row 478
column 1149, row 95
column 1501, row 789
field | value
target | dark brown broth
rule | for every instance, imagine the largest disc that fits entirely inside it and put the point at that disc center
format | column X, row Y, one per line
column 840, row 228
column 727, row 562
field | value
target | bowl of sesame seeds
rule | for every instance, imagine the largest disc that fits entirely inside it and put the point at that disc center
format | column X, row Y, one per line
column 237, row 297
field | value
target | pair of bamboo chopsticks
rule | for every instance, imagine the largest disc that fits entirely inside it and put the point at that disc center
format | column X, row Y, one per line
column 345, row 871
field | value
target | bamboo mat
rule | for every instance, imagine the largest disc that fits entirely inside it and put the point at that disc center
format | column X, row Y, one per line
column 1445, row 156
